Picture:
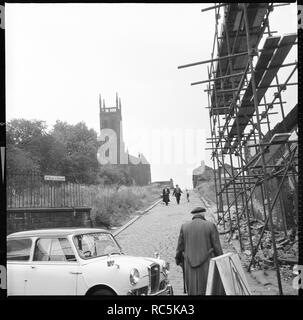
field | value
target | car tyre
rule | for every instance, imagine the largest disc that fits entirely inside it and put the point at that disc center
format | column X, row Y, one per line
column 103, row 292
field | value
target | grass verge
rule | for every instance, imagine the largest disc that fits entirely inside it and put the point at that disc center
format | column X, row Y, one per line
column 113, row 206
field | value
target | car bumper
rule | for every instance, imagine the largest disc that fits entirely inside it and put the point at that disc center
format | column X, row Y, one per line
column 168, row 291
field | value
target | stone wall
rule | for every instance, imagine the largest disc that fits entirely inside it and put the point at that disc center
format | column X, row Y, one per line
column 21, row 219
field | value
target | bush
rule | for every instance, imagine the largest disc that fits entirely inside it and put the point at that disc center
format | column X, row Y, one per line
column 112, row 206
column 114, row 175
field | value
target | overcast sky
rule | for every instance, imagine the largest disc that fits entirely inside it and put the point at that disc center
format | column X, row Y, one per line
column 61, row 56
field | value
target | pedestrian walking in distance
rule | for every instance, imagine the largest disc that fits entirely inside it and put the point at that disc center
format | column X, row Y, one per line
column 187, row 195
column 198, row 242
column 165, row 195
column 177, row 193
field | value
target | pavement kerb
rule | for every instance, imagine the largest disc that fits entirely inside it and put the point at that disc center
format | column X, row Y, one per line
column 136, row 218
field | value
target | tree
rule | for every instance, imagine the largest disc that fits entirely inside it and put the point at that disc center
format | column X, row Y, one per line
column 114, row 175
column 22, row 133
column 19, row 161
column 81, row 145
column 69, row 150
column 50, row 155
column 30, row 146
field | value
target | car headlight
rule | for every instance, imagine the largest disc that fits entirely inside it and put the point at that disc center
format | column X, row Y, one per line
column 134, row 276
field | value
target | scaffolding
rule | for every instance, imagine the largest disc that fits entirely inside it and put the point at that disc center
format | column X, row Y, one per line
column 243, row 145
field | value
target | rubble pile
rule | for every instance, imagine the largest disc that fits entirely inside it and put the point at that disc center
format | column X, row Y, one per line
column 287, row 246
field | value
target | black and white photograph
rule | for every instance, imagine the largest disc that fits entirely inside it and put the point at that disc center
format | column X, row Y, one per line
column 150, row 149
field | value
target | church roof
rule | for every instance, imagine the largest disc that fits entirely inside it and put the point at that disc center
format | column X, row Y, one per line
column 136, row 160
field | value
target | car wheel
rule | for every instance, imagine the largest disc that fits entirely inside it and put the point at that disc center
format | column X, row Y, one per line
column 102, row 292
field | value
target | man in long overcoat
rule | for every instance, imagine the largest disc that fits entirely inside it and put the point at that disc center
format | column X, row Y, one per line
column 198, row 242
column 177, row 193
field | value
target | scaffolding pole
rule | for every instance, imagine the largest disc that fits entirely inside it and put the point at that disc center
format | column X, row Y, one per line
column 240, row 131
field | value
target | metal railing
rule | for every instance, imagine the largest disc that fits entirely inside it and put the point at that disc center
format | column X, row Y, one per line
column 31, row 190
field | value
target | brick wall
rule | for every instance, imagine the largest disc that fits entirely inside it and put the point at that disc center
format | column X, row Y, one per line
column 21, row 219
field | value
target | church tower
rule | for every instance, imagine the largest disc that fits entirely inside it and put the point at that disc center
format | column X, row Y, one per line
column 111, row 118
column 137, row 168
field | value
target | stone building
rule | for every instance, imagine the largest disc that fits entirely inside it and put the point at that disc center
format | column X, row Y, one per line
column 137, row 167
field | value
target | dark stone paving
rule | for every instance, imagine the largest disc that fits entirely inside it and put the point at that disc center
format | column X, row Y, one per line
column 158, row 231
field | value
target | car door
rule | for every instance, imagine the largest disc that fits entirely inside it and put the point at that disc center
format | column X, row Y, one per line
column 54, row 269
column 18, row 261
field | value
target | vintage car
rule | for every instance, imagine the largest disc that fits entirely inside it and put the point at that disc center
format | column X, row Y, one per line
column 79, row 262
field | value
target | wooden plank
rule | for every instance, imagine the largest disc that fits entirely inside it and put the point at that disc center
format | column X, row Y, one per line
column 280, row 54
column 223, row 266
column 238, row 266
column 214, row 283
column 257, row 12
column 275, row 63
column 210, row 278
column 270, row 46
column 227, row 270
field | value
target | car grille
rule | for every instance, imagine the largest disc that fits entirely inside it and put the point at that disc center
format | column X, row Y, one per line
column 154, row 277
column 162, row 285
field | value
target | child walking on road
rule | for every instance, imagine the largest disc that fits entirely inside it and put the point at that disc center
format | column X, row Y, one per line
column 187, row 195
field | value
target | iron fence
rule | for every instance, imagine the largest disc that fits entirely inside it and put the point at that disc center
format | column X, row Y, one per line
column 33, row 191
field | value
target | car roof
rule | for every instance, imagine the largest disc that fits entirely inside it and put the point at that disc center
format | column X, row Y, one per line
column 55, row 232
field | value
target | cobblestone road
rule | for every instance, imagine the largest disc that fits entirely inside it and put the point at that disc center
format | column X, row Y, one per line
column 158, row 231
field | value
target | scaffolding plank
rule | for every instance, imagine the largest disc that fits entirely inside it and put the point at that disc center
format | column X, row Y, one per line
column 275, row 63
column 232, row 16
column 281, row 53
column 273, row 148
column 270, row 46
column 263, row 61
column 287, row 125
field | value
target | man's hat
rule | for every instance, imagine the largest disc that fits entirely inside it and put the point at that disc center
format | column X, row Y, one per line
column 198, row 210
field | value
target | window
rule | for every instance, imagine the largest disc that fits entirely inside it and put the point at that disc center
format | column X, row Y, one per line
column 94, row 245
column 42, row 250
column 56, row 249
column 18, row 249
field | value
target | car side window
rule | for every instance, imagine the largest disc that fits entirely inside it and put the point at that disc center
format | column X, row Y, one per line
column 42, row 250
column 18, row 249
column 53, row 249
column 61, row 250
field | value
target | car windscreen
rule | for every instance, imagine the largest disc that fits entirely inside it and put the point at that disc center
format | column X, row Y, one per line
column 94, row 245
